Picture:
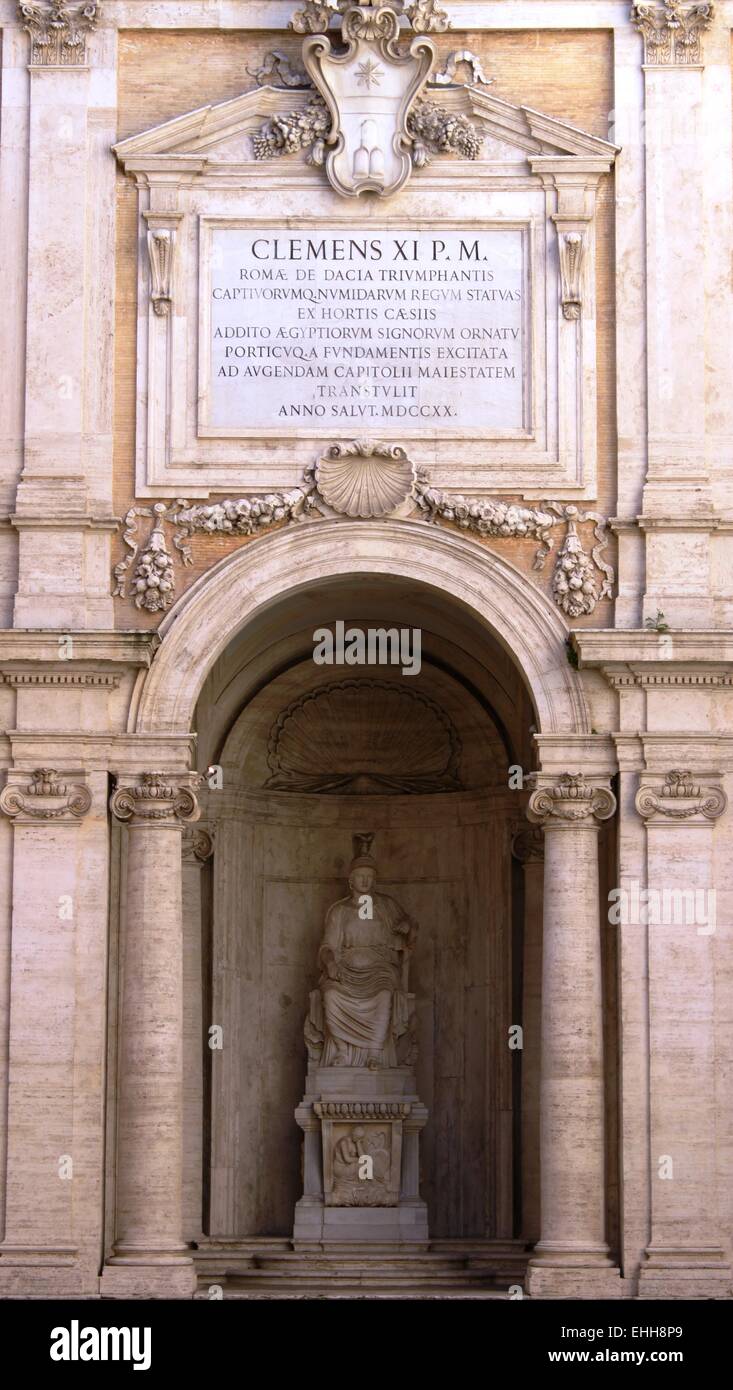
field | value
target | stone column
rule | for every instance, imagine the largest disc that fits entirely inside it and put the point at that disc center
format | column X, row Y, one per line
column 150, row 1257
column 684, row 1258
column 572, row 1258
column 528, row 848
column 198, row 847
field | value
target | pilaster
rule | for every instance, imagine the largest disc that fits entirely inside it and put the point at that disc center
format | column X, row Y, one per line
column 63, row 503
column 684, row 1258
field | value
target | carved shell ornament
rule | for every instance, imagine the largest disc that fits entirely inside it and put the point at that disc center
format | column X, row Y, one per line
column 365, row 480
column 364, row 737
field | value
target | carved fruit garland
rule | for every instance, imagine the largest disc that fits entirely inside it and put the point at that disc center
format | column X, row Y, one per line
column 366, row 479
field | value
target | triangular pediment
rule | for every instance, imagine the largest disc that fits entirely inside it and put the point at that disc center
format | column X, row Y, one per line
column 222, row 134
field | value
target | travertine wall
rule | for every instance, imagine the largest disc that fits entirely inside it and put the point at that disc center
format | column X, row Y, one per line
column 105, row 692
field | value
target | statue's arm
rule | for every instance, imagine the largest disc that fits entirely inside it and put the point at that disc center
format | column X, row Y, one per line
column 402, row 925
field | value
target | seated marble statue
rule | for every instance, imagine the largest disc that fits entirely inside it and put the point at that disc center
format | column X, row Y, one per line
column 361, row 1007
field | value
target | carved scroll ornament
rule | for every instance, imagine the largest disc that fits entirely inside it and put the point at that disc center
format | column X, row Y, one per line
column 425, row 16
column 154, row 797
column 680, row 798
column 571, row 800
column 45, row 797
column 367, row 479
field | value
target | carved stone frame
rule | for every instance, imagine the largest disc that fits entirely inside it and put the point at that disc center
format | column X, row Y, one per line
column 546, row 180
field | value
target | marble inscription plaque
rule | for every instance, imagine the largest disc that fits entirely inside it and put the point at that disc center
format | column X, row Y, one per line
column 383, row 330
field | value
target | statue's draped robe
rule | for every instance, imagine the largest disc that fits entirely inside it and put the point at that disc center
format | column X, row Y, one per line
column 366, row 1010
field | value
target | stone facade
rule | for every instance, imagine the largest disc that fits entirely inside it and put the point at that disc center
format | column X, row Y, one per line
column 548, row 773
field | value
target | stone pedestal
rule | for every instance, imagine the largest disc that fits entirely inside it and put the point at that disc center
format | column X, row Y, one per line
column 361, row 1171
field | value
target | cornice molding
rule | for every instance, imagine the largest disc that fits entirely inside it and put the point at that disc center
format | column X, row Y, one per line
column 94, row 680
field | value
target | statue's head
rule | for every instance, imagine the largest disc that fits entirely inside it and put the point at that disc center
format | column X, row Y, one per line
column 362, row 879
column 363, row 868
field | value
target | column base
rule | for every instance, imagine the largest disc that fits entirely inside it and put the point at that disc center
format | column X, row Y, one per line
column 700, row 1272
column 570, row 1270
column 124, row 1277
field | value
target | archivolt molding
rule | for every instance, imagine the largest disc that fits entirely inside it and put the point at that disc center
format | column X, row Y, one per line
column 365, row 479
column 220, row 603
column 680, row 798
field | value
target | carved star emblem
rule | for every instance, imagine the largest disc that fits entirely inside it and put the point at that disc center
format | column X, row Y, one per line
column 369, row 74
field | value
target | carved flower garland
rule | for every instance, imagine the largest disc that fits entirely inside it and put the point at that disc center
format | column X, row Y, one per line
column 366, row 479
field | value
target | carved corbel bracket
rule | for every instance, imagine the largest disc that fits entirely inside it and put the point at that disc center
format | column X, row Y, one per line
column 572, row 255
column 161, row 239
column 58, row 31
column 672, row 31
column 680, row 798
column 572, row 245
column 46, row 797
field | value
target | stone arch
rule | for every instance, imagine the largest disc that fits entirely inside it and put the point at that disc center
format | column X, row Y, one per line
column 211, row 613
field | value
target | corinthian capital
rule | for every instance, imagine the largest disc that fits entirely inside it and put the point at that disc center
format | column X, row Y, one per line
column 570, row 800
column 58, row 31
column 672, row 31
column 680, row 798
column 155, row 797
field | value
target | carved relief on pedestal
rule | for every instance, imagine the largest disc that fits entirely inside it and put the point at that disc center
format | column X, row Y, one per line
column 45, row 797
column 370, row 1131
column 59, row 31
column 672, row 31
column 680, row 798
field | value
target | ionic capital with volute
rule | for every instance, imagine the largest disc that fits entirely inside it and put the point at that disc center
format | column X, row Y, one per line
column 159, row 798
column 572, row 800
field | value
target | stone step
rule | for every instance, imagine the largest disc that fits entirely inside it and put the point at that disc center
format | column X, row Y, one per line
column 330, row 1291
